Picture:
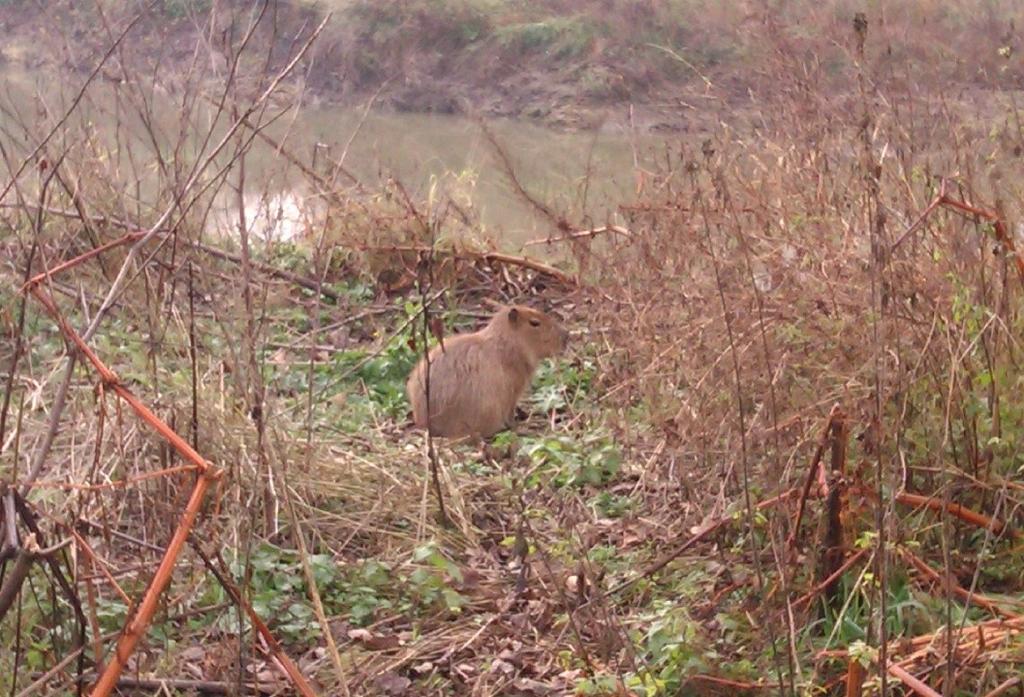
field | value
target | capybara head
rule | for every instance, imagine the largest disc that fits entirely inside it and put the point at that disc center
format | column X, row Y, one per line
column 540, row 334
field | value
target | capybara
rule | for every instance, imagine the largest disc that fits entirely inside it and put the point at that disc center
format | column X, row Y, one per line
column 476, row 379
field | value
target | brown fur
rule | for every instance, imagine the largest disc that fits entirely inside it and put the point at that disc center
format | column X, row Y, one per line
column 477, row 379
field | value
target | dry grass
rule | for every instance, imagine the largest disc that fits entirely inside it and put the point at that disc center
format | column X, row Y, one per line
column 640, row 528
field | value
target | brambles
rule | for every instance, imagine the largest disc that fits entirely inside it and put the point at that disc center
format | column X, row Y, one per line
column 825, row 268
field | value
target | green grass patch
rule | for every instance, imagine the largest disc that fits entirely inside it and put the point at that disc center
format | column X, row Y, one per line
column 556, row 37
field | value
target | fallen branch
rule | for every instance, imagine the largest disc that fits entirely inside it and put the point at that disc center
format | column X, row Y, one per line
column 953, row 586
column 910, row 681
column 304, row 282
column 1004, row 687
column 208, row 687
column 499, row 257
column 986, row 634
column 308, row 283
column 958, row 511
column 580, row 234
column 529, row 264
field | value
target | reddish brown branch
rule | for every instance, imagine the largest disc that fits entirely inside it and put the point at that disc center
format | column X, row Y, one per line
column 956, row 510
column 117, row 484
column 934, row 576
column 809, row 595
column 70, row 263
column 935, row 203
column 855, row 675
column 998, row 226
column 140, row 621
column 910, row 681
column 812, row 472
column 136, row 627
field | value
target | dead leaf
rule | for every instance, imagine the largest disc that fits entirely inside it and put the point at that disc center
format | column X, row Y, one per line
column 269, row 676
column 376, row 642
column 465, row 671
column 511, row 657
column 534, row 687
column 194, row 653
column 500, row 666
column 424, row 668
column 470, row 579
column 392, row 683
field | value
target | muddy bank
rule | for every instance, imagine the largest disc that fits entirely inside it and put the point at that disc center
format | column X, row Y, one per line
column 353, row 62
column 651, row 65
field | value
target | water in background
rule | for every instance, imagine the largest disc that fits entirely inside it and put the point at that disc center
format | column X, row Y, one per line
column 427, row 152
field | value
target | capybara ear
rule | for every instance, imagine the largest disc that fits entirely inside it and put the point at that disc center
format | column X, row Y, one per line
column 513, row 316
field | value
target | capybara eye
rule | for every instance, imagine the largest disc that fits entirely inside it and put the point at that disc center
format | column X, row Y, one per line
column 534, row 322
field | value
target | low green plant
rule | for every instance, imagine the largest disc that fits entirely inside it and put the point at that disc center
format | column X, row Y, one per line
column 372, row 381
column 673, row 647
column 559, row 384
column 431, row 582
column 592, row 459
column 279, row 593
column 450, row 23
column 609, row 505
column 557, row 37
column 364, row 593
column 847, row 620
